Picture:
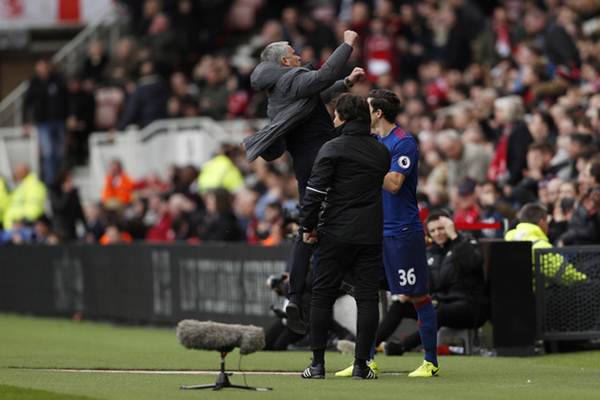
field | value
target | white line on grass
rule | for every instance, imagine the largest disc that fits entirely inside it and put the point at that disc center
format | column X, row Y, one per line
column 171, row 372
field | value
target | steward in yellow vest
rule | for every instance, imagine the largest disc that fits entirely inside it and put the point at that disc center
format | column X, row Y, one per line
column 533, row 229
column 27, row 201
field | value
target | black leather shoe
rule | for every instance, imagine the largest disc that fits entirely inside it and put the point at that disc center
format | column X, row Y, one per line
column 359, row 372
column 294, row 319
column 314, row 372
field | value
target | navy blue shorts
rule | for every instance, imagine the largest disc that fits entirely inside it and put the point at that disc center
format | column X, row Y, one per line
column 405, row 263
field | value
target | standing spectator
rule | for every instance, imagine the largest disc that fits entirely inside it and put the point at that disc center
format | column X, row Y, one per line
column 94, row 66
column 66, row 207
column 45, row 105
column 213, row 94
column 556, row 43
column 80, row 122
column 122, row 59
column 510, row 157
column 118, row 187
column 27, row 201
column 149, row 100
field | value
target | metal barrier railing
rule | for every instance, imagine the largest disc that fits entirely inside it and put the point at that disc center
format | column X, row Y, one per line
column 179, row 141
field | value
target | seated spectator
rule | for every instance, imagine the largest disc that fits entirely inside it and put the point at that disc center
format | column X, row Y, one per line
column 28, row 199
column 244, row 205
column 456, row 282
column 220, row 223
column 113, row 235
column 465, row 160
column 66, row 207
column 118, row 187
column 467, row 210
column 42, row 233
column 270, row 229
column 533, row 227
column 95, row 223
column 19, row 233
column 220, row 173
column 488, row 200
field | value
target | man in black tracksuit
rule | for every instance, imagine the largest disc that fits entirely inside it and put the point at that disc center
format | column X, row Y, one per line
column 299, row 124
column 343, row 204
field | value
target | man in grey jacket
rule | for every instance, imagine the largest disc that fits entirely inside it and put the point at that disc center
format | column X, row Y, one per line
column 299, row 124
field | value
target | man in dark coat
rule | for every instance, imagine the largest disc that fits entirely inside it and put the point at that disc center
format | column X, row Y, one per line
column 46, row 105
column 148, row 102
column 343, row 211
column 299, row 124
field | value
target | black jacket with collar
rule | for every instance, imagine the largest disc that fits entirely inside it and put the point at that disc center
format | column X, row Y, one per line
column 456, row 270
column 346, row 184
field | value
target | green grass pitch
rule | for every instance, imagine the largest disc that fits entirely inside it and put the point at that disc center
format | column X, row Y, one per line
column 31, row 347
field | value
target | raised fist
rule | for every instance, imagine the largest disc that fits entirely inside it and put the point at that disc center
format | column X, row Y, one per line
column 350, row 37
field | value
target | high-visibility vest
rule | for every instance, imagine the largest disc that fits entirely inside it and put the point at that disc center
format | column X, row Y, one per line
column 26, row 201
column 553, row 265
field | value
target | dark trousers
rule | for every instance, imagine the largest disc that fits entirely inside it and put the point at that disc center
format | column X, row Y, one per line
column 298, row 266
column 460, row 314
column 335, row 259
column 299, row 262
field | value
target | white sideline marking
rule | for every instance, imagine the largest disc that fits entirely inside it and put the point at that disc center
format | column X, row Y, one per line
column 174, row 372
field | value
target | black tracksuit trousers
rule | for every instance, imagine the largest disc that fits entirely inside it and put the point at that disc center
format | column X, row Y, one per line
column 299, row 262
column 335, row 259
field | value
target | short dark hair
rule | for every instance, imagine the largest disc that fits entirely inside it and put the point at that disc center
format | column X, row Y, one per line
column 387, row 102
column 351, row 107
column 435, row 215
column 544, row 147
column 532, row 213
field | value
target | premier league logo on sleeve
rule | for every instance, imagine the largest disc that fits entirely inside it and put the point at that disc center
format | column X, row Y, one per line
column 404, row 162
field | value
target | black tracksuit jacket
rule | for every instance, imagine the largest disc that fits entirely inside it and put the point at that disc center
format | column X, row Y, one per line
column 345, row 184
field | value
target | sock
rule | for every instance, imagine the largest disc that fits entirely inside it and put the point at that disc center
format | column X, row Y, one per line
column 428, row 329
column 318, row 357
column 360, row 362
column 372, row 352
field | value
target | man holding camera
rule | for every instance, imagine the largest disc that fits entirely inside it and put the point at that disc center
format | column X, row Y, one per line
column 342, row 211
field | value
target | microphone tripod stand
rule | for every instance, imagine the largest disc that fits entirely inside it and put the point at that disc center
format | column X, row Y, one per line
column 223, row 380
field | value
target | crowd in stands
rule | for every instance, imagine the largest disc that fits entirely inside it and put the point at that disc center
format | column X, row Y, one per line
column 502, row 96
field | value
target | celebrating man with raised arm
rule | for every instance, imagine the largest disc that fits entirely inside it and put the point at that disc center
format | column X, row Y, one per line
column 299, row 124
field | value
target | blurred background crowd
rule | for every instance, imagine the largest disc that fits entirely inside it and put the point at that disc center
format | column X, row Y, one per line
column 502, row 96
